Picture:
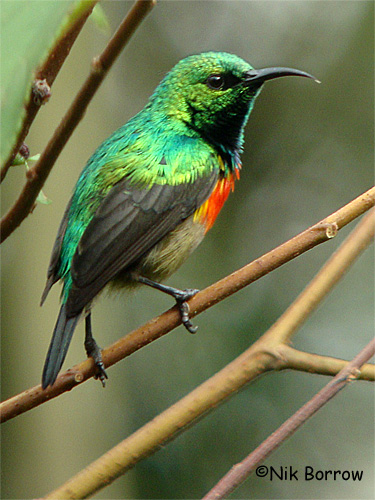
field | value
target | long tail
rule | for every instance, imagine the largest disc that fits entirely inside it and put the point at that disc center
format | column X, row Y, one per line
column 59, row 345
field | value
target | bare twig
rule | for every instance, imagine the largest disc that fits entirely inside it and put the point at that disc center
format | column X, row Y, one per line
column 261, row 357
column 166, row 322
column 166, row 426
column 47, row 72
column 315, row 363
column 38, row 174
column 324, row 281
column 204, row 398
column 240, row 472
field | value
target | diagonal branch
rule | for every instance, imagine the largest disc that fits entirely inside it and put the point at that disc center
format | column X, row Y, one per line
column 321, row 365
column 38, row 174
column 324, row 281
column 48, row 72
column 240, row 472
column 259, row 358
column 166, row 322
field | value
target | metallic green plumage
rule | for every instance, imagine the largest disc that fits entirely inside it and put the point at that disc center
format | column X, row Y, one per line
column 131, row 216
column 185, row 159
column 165, row 143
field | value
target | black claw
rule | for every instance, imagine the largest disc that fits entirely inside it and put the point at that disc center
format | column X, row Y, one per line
column 181, row 296
column 101, row 373
column 184, row 295
column 93, row 351
column 184, row 311
column 187, row 294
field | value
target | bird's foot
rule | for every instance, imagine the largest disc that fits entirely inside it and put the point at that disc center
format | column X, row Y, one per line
column 181, row 297
column 94, row 351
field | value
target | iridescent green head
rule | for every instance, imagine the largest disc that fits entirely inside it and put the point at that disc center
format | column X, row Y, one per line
column 213, row 93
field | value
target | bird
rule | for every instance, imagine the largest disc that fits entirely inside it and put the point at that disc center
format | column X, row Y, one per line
column 151, row 191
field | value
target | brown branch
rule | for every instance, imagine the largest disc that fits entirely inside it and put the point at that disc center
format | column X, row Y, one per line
column 324, row 281
column 38, row 174
column 294, row 359
column 261, row 357
column 162, row 428
column 48, row 72
column 166, row 322
column 240, row 472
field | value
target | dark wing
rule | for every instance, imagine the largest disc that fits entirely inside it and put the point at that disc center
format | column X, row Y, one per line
column 52, row 274
column 127, row 224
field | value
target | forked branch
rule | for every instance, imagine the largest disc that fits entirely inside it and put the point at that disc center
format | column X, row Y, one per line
column 206, row 298
column 240, row 472
column 38, row 174
column 47, row 72
column 261, row 357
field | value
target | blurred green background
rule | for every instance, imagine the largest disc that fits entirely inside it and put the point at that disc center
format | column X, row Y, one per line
column 308, row 151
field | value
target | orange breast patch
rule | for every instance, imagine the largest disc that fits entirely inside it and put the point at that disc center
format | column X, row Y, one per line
column 207, row 213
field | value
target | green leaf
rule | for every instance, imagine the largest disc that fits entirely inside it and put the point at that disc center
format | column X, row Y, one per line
column 28, row 30
column 20, row 160
column 100, row 19
column 42, row 198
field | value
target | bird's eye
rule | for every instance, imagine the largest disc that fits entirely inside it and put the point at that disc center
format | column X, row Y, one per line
column 215, row 82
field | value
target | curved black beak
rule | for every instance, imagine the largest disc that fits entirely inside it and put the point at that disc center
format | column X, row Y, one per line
column 259, row 76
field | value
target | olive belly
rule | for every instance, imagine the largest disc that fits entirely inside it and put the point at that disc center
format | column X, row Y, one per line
column 165, row 257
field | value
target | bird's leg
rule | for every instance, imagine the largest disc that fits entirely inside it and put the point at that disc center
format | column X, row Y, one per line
column 181, row 296
column 93, row 351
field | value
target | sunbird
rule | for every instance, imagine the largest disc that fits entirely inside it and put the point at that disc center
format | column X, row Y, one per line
column 151, row 191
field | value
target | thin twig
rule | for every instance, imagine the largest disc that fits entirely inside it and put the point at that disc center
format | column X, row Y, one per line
column 38, row 174
column 324, row 281
column 164, row 323
column 259, row 358
column 318, row 364
column 240, row 472
column 48, row 72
